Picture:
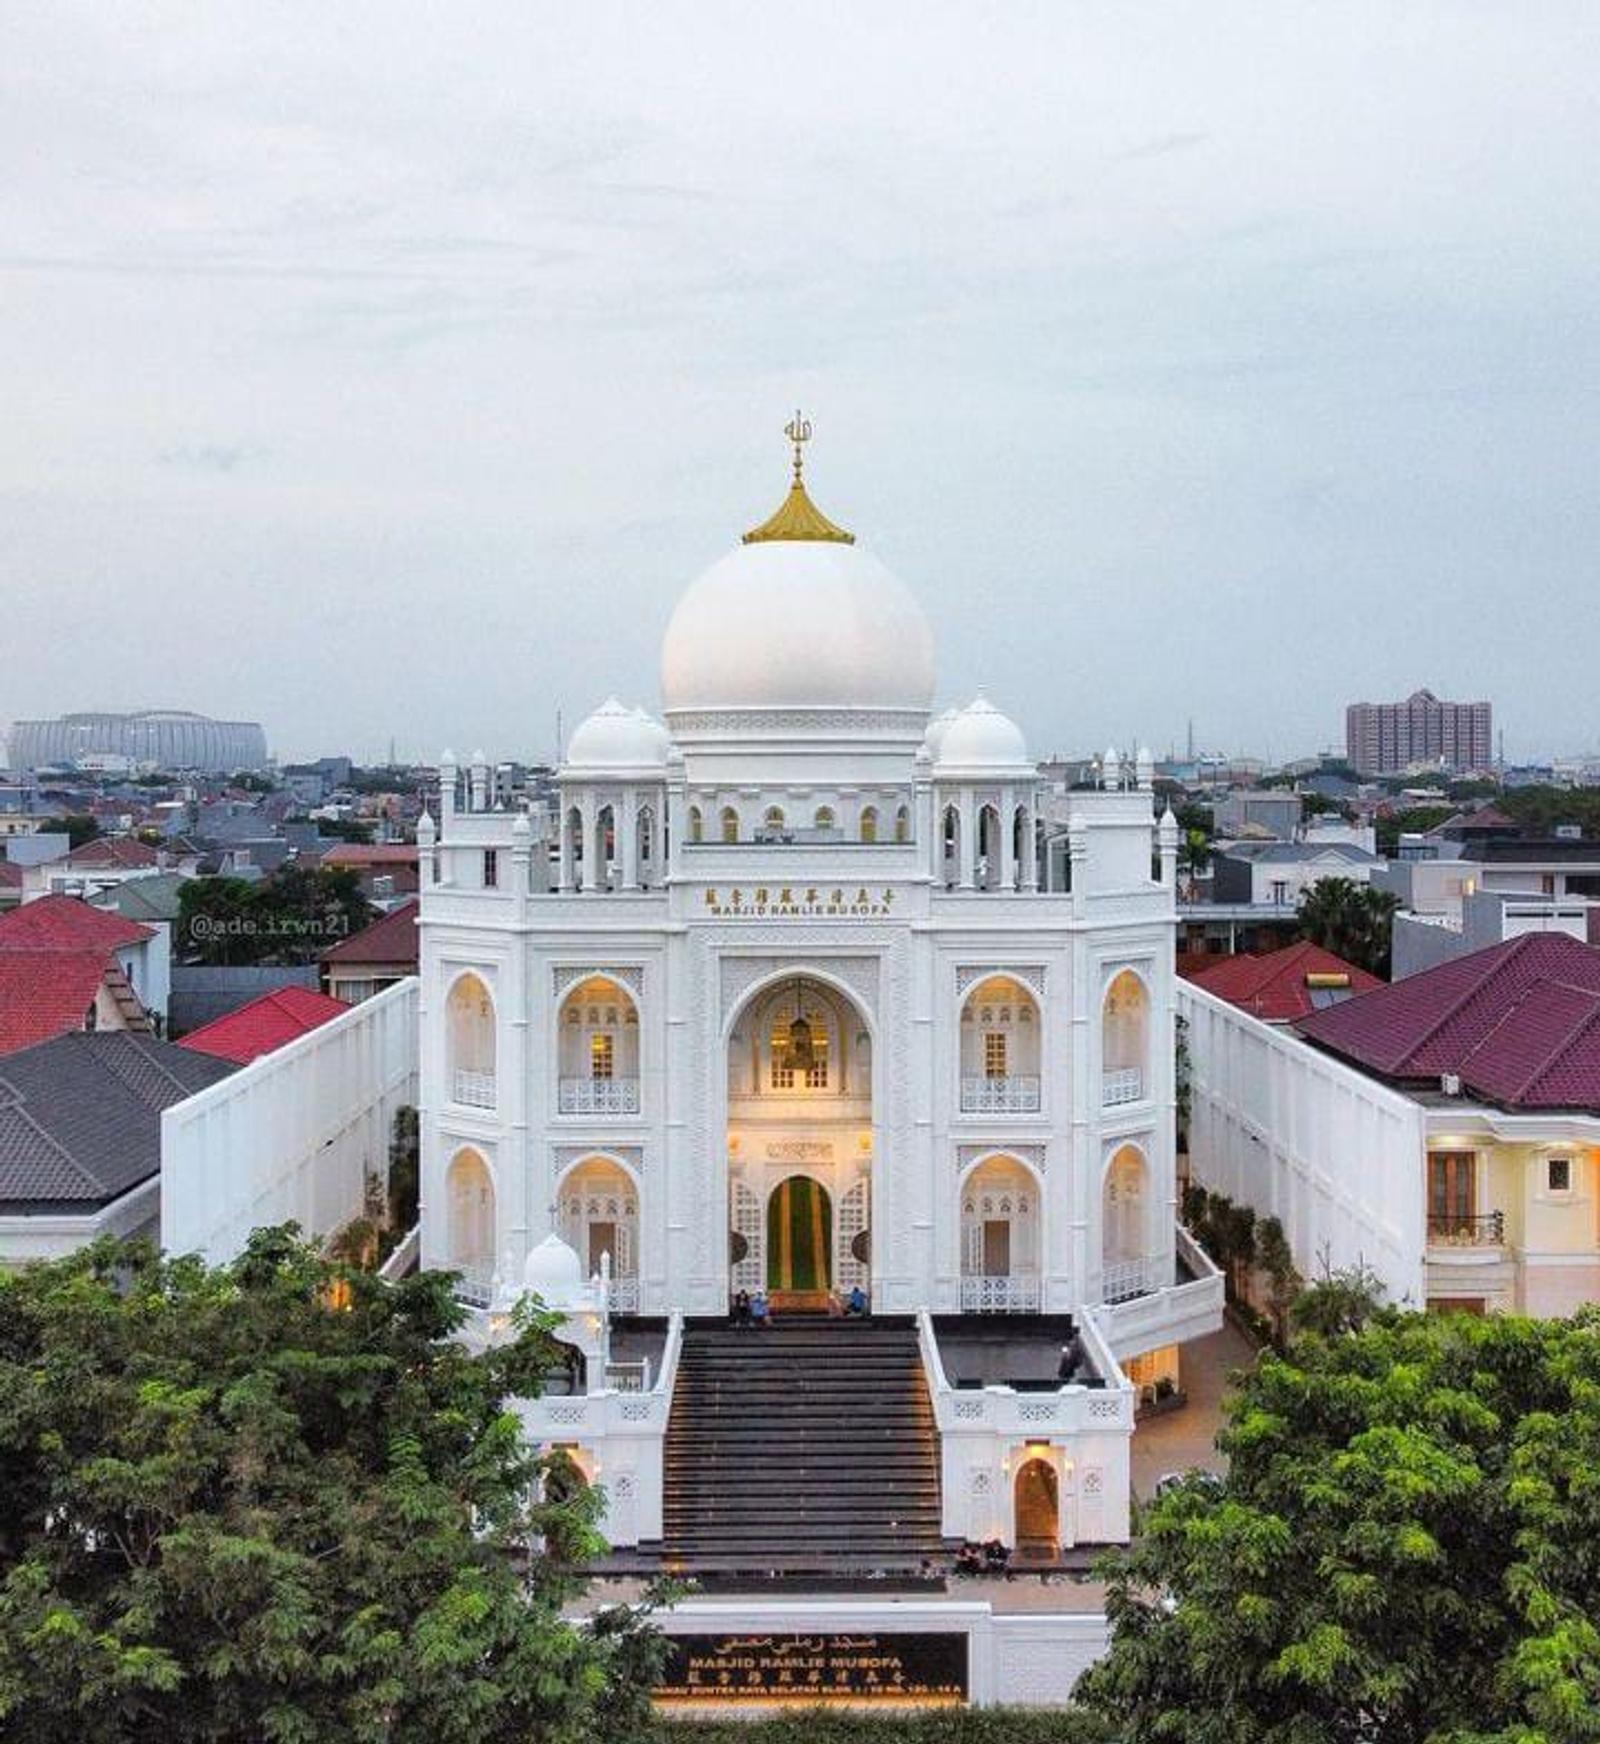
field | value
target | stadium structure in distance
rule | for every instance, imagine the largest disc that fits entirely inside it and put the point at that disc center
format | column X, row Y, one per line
column 162, row 738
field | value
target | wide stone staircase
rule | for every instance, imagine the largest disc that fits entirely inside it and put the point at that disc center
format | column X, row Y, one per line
column 807, row 1447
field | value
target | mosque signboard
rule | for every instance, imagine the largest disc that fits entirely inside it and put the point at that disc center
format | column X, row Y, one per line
column 860, row 1668
column 797, row 901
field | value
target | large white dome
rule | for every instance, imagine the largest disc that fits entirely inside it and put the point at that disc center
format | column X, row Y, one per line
column 797, row 624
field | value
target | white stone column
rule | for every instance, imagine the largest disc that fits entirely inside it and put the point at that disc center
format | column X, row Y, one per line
column 969, row 839
column 627, row 826
column 591, row 856
column 1030, row 846
column 568, row 859
column 1008, row 858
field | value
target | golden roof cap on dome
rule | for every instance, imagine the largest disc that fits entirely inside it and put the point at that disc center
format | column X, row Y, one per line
column 798, row 517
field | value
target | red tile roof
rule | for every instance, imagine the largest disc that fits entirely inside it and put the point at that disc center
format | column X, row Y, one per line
column 1518, row 1024
column 392, row 940
column 64, row 923
column 264, row 1025
column 371, row 854
column 46, row 993
column 1280, row 986
column 114, row 851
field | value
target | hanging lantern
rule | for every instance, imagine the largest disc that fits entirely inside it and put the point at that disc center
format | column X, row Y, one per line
column 801, row 1052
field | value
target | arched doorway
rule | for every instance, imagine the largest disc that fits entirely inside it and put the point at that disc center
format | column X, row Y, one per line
column 1038, row 1511
column 799, row 1237
column 800, row 1140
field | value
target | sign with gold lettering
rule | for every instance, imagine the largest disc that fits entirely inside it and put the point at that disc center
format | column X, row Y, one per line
column 799, row 902
column 866, row 1669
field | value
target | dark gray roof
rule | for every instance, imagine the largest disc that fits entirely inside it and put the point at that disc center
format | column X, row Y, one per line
column 1283, row 853
column 145, row 899
column 80, row 1116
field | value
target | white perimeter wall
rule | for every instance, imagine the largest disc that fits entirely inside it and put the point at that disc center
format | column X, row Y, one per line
column 292, row 1135
column 1333, row 1154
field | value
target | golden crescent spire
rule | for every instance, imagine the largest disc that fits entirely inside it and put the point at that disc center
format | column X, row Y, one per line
column 798, row 517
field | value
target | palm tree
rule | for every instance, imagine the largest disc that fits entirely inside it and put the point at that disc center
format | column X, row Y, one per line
column 1352, row 920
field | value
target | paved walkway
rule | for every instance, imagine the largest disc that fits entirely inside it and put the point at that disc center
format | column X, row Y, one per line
column 1185, row 1438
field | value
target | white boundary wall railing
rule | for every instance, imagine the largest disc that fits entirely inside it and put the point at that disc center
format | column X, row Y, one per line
column 1298, row 1135
column 292, row 1135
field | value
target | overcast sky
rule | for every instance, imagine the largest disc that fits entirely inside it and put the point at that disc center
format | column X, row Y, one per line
column 390, row 370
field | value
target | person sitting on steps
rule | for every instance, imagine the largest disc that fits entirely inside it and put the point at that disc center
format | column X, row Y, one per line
column 741, row 1308
column 856, row 1306
column 760, row 1313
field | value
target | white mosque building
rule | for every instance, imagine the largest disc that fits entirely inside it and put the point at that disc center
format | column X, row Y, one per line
column 805, row 986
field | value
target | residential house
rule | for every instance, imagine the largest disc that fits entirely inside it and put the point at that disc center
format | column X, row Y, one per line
column 374, row 958
column 265, row 1024
column 1444, row 1130
column 387, row 870
column 1278, row 874
column 80, row 1137
column 1283, row 986
column 66, row 966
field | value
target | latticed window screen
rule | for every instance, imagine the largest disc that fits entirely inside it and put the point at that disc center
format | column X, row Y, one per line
column 749, row 1223
column 852, row 1221
column 994, row 1055
column 602, row 1056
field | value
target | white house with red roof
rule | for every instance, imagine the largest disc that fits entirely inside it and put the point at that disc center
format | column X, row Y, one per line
column 65, row 966
column 1444, row 1130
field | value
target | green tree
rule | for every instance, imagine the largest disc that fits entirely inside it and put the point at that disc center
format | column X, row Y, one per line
column 287, row 918
column 279, row 1501
column 1352, row 920
column 80, row 827
column 1406, row 1549
column 1276, row 1259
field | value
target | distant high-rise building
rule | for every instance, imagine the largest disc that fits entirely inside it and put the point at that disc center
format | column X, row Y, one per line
column 166, row 738
column 1385, row 738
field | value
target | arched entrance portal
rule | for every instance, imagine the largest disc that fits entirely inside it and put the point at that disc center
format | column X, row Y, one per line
column 799, row 1237
column 1038, row 1510
column 800, row 1142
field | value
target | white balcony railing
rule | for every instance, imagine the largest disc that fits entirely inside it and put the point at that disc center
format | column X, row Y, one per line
column 599, row 1096
column 474, row 1289
column 475, row 1089
column 1125, row 1279
column 1010, row 1295
column 1121, row 1084
column 999, row 1095
column 624, row 1294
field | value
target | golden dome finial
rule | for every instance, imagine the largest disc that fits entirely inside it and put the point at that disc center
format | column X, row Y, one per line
column 798, row 430
column 798, row 517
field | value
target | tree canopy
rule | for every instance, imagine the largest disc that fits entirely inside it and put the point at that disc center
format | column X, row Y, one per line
column 1406, row 1549
column 288, row 917
column 1352, row 920
column 277, row 1500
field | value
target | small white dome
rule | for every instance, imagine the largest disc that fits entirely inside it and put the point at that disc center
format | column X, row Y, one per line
column 981, row 740
column 797, row 624
column 615, row 737
column 554, row 1272
column 933, row 739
